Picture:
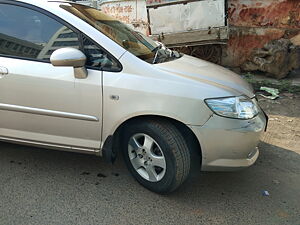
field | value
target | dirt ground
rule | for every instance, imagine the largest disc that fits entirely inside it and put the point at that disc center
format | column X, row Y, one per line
column 284, row 122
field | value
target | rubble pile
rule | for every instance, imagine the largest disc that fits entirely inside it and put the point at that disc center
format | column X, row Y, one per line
column 277, row 58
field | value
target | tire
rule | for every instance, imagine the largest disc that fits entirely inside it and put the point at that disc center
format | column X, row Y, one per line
column 156, row 155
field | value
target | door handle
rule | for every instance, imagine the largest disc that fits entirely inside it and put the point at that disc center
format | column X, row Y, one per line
column 3, row 70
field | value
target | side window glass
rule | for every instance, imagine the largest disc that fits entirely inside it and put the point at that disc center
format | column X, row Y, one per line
column 30, row 34
column 97, row 57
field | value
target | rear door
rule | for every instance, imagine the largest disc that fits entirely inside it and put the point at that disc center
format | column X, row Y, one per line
column 40, row 102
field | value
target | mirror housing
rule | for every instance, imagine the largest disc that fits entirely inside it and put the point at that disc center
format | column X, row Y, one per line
column 70, row 57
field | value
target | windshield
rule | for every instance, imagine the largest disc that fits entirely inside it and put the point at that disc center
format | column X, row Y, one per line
column 138, row 44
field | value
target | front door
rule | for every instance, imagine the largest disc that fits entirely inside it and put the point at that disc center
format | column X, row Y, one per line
column 40, row 102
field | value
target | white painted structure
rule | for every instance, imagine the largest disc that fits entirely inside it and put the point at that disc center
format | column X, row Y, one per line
column 174, row 22
column 187, row 17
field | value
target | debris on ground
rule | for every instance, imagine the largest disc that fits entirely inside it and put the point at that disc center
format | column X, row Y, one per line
column 273, row 91
column 276, row 182
column 289, row 95
column 277, row 58
column 283, row 214
column 85, row 173
column 265, row 193
column 101, row 175
column 296, row 40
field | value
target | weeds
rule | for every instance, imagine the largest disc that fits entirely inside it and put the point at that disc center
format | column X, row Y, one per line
column 281, row 85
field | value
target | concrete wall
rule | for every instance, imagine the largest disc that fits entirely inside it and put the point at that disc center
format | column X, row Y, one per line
column 254, row 23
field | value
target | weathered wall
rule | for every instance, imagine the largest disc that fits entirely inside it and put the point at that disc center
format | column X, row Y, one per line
column 265, row 13
column 255, row 23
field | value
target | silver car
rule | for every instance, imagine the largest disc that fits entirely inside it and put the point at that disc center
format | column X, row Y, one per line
column 75, row 79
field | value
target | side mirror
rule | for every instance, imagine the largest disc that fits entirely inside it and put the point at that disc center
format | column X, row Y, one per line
column 70, row 57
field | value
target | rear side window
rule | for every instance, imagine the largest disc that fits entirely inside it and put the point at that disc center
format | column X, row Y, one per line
column 29, row 34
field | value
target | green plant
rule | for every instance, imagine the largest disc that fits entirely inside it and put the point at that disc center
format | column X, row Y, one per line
column 281, row 85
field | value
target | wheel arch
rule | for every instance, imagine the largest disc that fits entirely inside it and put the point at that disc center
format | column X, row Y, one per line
column 111, row 145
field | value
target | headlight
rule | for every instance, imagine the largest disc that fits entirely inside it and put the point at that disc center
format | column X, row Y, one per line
column 240, row 107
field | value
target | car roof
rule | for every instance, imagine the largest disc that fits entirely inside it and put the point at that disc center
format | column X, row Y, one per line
column 60, row 1
column 44, row 1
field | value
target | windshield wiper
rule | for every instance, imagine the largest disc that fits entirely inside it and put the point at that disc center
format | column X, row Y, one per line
column 176, row 54
column 156, row 49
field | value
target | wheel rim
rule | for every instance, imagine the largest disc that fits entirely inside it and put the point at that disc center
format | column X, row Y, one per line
column 146, row 157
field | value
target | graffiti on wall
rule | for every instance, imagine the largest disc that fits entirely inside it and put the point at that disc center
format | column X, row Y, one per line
column 133, row 13
column 120, row 12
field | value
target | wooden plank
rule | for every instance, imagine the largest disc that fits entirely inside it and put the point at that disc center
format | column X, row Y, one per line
column 192, row 37
column 155, row 4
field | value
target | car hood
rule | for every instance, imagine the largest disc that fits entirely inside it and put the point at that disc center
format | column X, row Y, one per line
column 206, row 72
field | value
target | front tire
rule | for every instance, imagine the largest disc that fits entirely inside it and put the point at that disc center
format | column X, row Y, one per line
column 156, row 155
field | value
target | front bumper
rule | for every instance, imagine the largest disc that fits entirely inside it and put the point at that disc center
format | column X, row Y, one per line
column 229, row 144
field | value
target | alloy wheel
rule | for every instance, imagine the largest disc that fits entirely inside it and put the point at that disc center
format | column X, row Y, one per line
column 146, row 157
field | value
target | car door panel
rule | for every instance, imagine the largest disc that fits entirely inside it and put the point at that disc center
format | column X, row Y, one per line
column 60, row 109
column 40, row 102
